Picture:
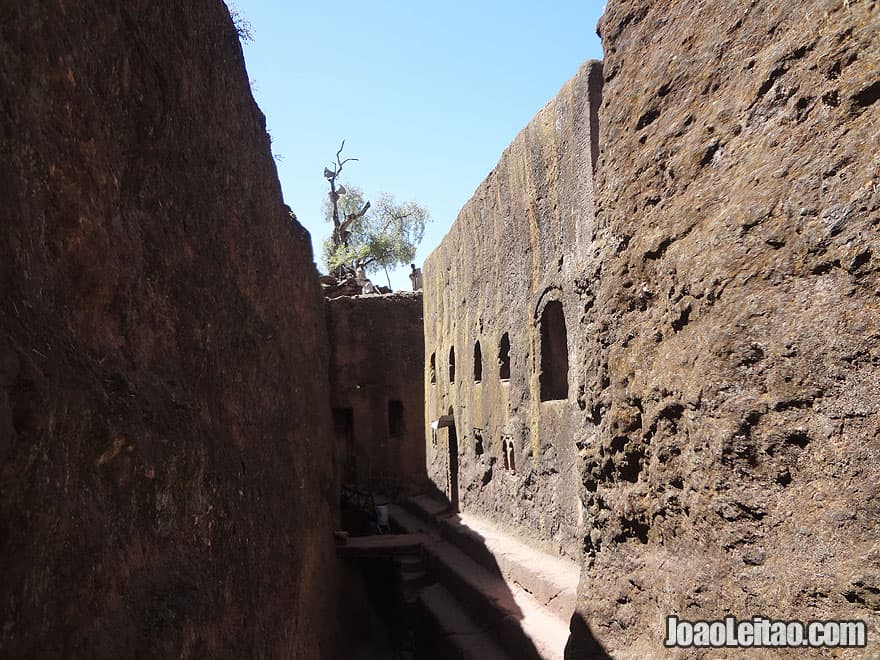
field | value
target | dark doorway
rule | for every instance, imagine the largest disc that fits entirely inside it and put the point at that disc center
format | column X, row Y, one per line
column 453, row 465
column 343, row 425
column 504, row 357
column 554, row 353
column 452, row 364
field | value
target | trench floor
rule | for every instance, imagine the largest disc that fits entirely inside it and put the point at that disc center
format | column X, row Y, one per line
column 493, row 592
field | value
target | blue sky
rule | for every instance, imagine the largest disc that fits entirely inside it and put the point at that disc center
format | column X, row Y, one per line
column 426, row 95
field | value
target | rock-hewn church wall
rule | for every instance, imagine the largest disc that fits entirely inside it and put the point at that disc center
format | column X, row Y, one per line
column 503, row 276
column 376, row 363
column 719, row 294
column 733, row 349
column 166, row 488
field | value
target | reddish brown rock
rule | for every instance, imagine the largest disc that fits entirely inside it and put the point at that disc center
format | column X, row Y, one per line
column 377, row 355
column 733, row 355
column 720, row 408
column 166, row 487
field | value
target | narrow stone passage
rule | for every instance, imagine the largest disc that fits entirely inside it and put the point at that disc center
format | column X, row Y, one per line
column 648, row 345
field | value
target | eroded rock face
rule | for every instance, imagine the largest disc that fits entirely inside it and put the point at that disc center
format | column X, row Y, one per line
column 167, row 488
column 733, row 344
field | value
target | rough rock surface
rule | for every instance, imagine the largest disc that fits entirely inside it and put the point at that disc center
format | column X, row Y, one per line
column 513, row 252
column 165, row 484
column 377, row 353
column 734, row 360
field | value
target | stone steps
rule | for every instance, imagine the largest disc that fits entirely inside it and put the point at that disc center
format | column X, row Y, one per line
column 551, row 579
column 412, row 577
column 460, row 637
column 498, row 608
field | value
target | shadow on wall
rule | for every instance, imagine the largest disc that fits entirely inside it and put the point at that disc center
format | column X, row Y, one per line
column 582, row 644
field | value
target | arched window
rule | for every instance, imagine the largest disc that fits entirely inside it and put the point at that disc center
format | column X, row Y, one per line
column 504, row 357
column 433, row 368
column 478, row 363
column 452, row 364
column 554, row 353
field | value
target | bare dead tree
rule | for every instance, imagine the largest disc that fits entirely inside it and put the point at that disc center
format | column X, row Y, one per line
column 340, row 227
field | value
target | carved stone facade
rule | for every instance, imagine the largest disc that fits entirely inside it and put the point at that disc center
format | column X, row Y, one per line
column 376, row 363
column 673, row 378
column 504, row 408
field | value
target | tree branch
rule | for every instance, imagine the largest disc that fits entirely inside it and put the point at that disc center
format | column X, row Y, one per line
column 354, row 216
column 340, row 163
column 393, row 218
column 339, row 227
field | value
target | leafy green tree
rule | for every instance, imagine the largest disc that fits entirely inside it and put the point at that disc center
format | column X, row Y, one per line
column 373, row 236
